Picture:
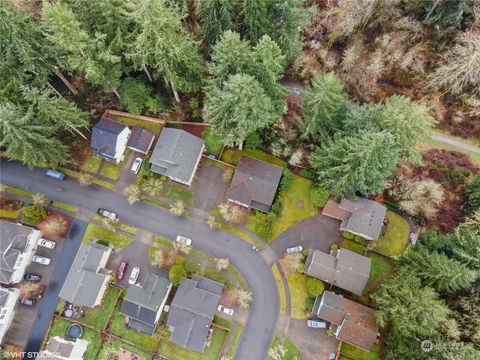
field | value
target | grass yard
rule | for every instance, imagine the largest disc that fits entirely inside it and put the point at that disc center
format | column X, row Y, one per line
column 64, row 206
column 111, row 170
column 291, row 350
column 96, row 232
column 100, row 182
column 9, row 214
column 179, row 194
column 232, row 156
column 123, row 227
column 227, row 324
column 92, row 164
column 355, row 353
column 353, row 246
column 16, row 191
column 235, row 341
column 117, row 344
column 212, row 142
column 221, row 277
column 281, row 290
column 380, row 269
column 297, row 283
column 154, row 201
column 59, row 328
column 154, row 127
column 395, row 240
column 99, row 315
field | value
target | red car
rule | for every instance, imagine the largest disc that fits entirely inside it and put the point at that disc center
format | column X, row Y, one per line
column 121, row 270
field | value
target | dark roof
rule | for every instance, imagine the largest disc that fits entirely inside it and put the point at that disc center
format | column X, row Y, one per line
column 104, row 137
column 176, row 154
column 140, row 140
column 343, row 268
column 142, row 303
column 192, row 311
column 361, row 216
column 355, row 322
column 255, row 183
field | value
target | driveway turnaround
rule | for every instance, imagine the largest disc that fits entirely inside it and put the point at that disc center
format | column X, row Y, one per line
column 260, row 327
column 50, row 299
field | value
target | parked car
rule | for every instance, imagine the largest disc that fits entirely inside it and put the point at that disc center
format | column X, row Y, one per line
column 134, row 275
column 316, row 324
column 184, row 240
column 32, row 277
column 225, row 310
column 54, row 174
column 137, row 163
column 295, row 249
column 46, row 243
column 41, row 260
column 28, row 301
column 122, row 269
column 107, row 213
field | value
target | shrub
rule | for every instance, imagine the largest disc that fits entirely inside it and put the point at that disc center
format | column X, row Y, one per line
column 277, row 207
column 194, row 106
column 319, row 196
column 103, row 242
column 315, row 287
column 253, row 141
column 309, row 303
column 176, row 273
column 307, row 174
column 34, row 214
column 287, row 179
column 348, row 235
column 271, row 217
column 263, row 230
column 334, row 246
column 472, row 195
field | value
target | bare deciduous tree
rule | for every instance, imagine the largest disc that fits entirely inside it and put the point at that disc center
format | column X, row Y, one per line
column 230, row 212
column 40, row 199
column 227, row 174
column 293, row 262
column 177, row 208
column 243, row 298
column 153, row 186
column 182, row 248
column 212, row 222
column 85, row 180
column 222, row 264
column 132, row 192
column 277, row 352
column 158, row 258
column 109, row 223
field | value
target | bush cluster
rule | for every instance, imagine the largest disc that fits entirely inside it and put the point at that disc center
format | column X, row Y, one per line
column 34, row 214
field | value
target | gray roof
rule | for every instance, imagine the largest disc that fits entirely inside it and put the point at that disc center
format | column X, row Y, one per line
column 14, row 239
column 361, row 216
column 142, row 303
column 342, row 268
column 85, row 278
column 104, row 137
column 176, row 154
column 59, row 349
column 192, row 311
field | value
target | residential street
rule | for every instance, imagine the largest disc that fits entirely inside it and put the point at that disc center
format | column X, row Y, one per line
column 260, row 327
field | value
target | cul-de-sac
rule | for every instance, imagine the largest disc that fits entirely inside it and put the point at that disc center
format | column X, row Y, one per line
column 240, row 179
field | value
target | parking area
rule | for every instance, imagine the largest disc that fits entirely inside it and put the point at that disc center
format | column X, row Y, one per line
column 314, row 344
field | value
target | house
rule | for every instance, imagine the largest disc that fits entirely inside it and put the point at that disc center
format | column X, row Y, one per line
column 8, row 300
column 144, row 304
column 59, row 349
column 351, row 322
column 342, row 268
column 109, row 139
column 192, row 311
column 87, row 279
column 141, row 140
column 177, row 155
column 17, row 247
column 362, row 217
column 254, row 184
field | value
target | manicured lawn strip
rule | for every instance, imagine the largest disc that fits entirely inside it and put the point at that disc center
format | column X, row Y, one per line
column 353, row 246
column 92, row 164
column 123, row 227
column 213, row 142
column 234, row 271
column 154, row 201
column 380, row 269
column 96, row 181
column 356, row 353
column 98, row 315
column 16, row 191
column 95, row 232
column 117, row 344
column 59, row 328
column 297, row 284
column 179, row 194
column 60, row 306
column 395, row 239
column 242, row 234
column 235, row 341
column 111, row 170
column 154, row 127
column 281, row 289
column 64, row 206
column 163, row 241
column 232, row 156
column 291, row 350
column 223, row 322
column 9, row 214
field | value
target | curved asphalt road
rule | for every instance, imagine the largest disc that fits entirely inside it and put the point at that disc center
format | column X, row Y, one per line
column 260, row 327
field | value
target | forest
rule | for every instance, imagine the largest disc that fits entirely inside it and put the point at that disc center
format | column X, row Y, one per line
column 348, row 92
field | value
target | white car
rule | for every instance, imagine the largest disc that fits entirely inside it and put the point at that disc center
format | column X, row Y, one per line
column 46, row 243
column 225, row 310
column 184, row 240
column 316, row 324
column 295, row 249
column 132, row 280
column 41, row 260
column 136, row 165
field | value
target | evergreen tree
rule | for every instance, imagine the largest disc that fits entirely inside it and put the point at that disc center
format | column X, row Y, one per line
column 358, row 163
column 238, row 108
column 472, row 195
column 467, row 246
column 446, row 16
column 255, row 22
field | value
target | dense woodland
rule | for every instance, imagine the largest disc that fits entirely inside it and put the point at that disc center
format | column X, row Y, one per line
column 377, row 78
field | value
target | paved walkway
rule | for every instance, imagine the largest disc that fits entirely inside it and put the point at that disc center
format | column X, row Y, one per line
column 454, row 142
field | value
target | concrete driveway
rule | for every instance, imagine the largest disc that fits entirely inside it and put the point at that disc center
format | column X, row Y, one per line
column 314, row 344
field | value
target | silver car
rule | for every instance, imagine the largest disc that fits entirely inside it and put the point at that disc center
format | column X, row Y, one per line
column 136, row 165
column 295, row 249
column 41, row 260
column 46, row 243
column 184, row 240
column 317, row 324
column 225, row 310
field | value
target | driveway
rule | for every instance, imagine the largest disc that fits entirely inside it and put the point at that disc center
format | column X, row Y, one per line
column 263, row 315
column 318, row 233
column 314, row 344
column 50, row 297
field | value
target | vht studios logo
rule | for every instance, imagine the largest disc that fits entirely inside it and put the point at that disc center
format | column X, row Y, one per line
column 426, row 346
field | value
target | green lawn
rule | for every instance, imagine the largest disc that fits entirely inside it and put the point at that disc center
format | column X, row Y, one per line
column 235, row 341
column 154, row 201
column 291, row 350
column 281, row 290
column 16, row 191
column 297, row 283
column 117, row 344
column 212, row 142
column 154, row 127
column 9, row 214
column 59, row 328
column 395, row 240
column 112, row 170
column 232, row 156
column 221, row 277
column 98, row 316
column 353, row 246
column 92, row 163
column 123, row 227
column 380, row 269
column 223, row 322
column 96, row 232
column 64, row 206
column 355, row 353
column 75, row 174
column 179, row 194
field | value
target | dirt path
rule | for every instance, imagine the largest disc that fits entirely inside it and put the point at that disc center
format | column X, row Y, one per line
column 448, row 140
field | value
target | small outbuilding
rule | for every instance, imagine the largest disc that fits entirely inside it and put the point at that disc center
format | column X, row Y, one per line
column 141, row 140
